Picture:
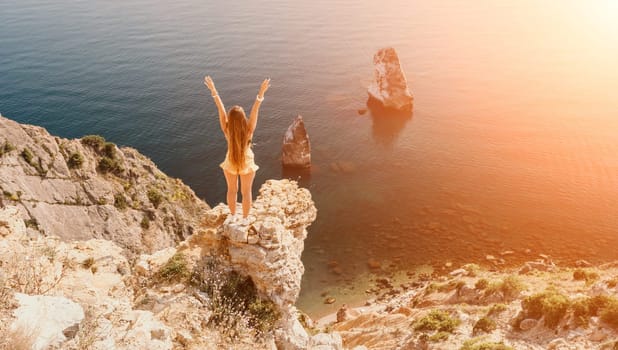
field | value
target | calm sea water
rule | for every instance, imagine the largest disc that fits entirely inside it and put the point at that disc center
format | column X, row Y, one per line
column 513, row 142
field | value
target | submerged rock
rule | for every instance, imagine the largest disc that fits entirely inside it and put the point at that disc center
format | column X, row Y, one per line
column 296, row 149
column 390, row 86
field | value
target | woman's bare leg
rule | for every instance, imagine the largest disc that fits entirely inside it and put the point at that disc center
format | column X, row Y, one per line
column 232, row 190
column 246, row 183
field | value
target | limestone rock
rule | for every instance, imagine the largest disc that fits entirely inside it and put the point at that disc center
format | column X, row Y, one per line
column 296, row 149
column 44, row 318
column 326, row 341
column 528, row 324
column 135, row 205
column 277, row 225
column 390, row 86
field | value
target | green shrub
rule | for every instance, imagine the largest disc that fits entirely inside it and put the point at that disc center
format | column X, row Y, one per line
column 585, row 275
column 39, row 167
column 75, row 160
column 510, row 287
column 109, row 165
column 234, row 300
column 120, row 201
column 155, row 197
column 609, row 314
column 32, row 223
column 437, row 320
column 88, row 263
column 484, row 325
column 109, row 150
column 477, row 344
column 549, row 304
column 581, row 311
column 481, row 284
column 496, row 309
column 95, row 142
column 439, row 336
column 145, row 224
column 599, row 302
column 6, row 148
column 27, row 155
column 175, row 269
column 11, row 196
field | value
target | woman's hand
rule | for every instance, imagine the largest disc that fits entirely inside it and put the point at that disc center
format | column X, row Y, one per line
column 264, row 87
column 210, row 85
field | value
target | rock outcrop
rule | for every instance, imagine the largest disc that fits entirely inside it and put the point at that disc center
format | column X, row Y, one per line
column 89, row 188
column 296, row 149
column 267, row 247
column 134, row 305
column 389, row 86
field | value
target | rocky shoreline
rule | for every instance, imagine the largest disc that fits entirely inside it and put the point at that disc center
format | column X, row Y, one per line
column 537, row 305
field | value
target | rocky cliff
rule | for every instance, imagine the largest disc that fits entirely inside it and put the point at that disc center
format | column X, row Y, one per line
column 101, row 250
column 232, row 284
column 90, row 188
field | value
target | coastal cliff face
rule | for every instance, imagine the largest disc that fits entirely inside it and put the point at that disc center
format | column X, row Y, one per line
column 191, row 296
column 101, row 250
column 89, row 188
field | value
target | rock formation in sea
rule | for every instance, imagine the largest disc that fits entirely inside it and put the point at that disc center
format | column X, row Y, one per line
column 296, row 149
column 389, row 86
column 90, row 188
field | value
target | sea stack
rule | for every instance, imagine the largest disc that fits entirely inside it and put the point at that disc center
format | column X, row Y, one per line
column 389, row 86
column 296, row 149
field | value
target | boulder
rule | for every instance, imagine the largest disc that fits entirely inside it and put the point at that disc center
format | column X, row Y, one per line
column 390, row 87
column 43, row 319
column 296, row 149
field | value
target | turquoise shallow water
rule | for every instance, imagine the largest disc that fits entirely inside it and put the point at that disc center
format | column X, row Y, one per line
column 511, row 146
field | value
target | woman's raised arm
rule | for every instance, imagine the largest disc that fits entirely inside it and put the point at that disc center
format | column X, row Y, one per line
column 256, row 105
column 215, row 95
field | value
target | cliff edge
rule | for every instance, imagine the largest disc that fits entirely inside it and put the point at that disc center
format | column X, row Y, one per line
column 89, row 188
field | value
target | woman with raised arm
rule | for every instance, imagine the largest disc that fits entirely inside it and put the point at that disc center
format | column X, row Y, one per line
column 238, row 132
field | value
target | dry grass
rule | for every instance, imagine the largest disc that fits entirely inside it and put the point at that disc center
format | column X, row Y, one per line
column 33, row 272
column 18, row 339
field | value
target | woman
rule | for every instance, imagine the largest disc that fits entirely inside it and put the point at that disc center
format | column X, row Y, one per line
column 238, row 132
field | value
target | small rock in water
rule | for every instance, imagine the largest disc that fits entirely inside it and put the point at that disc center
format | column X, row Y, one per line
column 490, row 257
column 448, row 264
column 296, row 149
column 507, row 252
column 389, row 86
column 330, row 300
column 582, row 263
column 342, row 313
column 362, row 111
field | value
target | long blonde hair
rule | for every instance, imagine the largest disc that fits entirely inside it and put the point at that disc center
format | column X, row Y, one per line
column 238, row 136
